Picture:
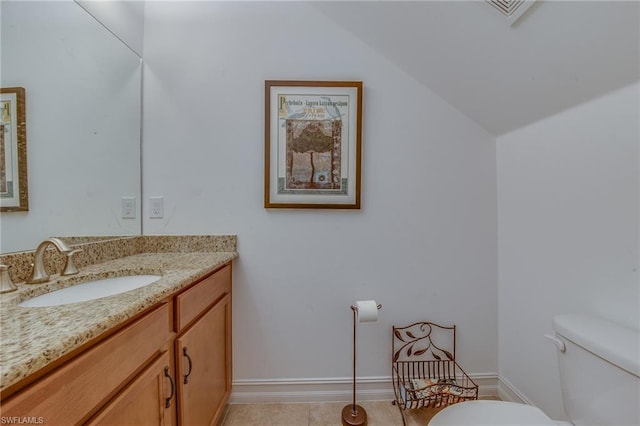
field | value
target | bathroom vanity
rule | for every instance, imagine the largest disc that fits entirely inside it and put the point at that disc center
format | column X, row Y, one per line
column 160, row 354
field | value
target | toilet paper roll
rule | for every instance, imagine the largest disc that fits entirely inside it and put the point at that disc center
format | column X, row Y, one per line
column 367, row 310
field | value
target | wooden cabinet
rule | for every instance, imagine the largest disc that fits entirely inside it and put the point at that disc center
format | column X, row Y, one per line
column 143, row 374
column 76, row 390
column 148, row 400
column 203, row 350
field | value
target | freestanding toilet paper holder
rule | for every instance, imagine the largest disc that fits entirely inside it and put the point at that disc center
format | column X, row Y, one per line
column 353, row 414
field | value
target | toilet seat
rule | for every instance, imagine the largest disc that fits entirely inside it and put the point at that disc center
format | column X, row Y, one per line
column 490, row 413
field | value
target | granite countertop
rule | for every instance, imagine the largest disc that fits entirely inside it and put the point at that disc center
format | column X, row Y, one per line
column 31, row 338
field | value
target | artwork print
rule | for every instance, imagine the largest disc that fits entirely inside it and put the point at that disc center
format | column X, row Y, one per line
column 312, row 145
column 3, row 166
column 313, row 153
column 13, row 150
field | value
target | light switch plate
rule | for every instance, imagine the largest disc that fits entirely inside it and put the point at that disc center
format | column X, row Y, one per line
column 128, row 207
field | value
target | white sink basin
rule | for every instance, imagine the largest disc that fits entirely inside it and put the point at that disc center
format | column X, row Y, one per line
column 90, row 291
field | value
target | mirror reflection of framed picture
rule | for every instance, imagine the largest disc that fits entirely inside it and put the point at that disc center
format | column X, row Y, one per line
column 313, row 138
column 13, row 150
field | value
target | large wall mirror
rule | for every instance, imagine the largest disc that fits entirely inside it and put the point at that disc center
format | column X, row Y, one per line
column 83, row 119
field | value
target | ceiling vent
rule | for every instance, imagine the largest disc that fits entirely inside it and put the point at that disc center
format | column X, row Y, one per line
column 511, row 9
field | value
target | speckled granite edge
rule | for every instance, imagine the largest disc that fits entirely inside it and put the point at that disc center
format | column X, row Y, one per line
column 189, row 243
column 93, row 238
column 101, row 249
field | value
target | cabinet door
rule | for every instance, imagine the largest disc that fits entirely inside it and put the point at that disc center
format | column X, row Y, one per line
column 147, row 400
column 203, row 358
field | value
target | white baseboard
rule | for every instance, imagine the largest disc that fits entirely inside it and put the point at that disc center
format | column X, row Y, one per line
column 331, row 389
column 508, row 392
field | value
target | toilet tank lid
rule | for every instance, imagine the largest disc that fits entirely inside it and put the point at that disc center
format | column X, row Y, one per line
column 618, row 344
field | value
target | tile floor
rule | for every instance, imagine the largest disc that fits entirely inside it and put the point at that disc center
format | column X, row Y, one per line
column 379, row 413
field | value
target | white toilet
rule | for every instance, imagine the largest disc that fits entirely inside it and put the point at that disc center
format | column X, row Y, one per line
column 599, row 364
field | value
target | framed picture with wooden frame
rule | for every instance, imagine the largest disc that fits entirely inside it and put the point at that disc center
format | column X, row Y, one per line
column 14, row 194
column 313, row 144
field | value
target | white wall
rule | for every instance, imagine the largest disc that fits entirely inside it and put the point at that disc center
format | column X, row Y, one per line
column 423, row 244
column 125, row 19
column 568, row 190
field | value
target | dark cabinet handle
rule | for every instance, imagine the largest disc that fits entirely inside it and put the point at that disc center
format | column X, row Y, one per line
column 167, row 401
column 186, row 376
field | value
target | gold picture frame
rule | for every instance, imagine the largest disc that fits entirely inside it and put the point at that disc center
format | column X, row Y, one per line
column 14, row 193
column 313, row 144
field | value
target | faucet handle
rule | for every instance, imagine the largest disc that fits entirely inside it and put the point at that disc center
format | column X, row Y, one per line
column 6, row 285
column 69, row 266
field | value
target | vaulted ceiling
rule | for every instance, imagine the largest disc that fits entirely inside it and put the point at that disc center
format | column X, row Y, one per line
column 557, row 55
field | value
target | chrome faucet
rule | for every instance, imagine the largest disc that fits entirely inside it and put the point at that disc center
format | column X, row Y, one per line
column 39, row 273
